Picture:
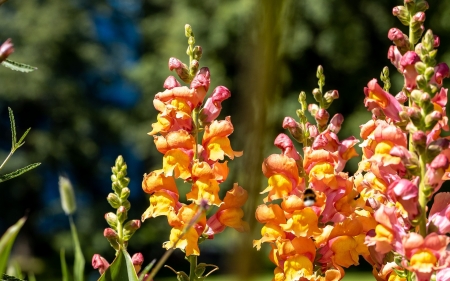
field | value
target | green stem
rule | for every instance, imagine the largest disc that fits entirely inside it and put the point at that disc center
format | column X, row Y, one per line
column 120, row 234
column 193, row 267
column 7, row 158
column 412, row 39
column 423, row 200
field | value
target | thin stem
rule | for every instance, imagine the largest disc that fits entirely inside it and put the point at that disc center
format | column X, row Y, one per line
column 193, row 261
column 7, row 158
column 423, row 200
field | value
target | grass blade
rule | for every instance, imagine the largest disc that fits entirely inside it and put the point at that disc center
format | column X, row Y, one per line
column 7, row 241
column 78, row 267
column 65, row 273
column 13, row 128
column 17, row 66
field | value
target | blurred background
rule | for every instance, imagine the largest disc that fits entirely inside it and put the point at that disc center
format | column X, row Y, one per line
column 100, row 65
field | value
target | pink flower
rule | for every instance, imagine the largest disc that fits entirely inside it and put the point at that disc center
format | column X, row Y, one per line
column 100, row 263
column 6, row 49
column 377, row 97
column 408, row 69
column 284, row 143
column 441, row 71
column 213, row 104
column 405, row 192
column 171, row 82
column 439, row 217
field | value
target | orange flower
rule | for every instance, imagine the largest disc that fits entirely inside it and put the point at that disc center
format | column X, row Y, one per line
column 176, row 163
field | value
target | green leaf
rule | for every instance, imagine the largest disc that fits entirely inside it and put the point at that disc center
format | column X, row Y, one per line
column 17, row 66
column 9, row 278
column 121, row 269
column 146, row 270
column 21, row 142
column 18, row 172
column 13, row 127
column 65, row 273
column 7, row 241
column 78, row 267
column 31, row 276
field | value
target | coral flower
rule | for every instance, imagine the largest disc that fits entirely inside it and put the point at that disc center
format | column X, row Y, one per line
column 377, row 97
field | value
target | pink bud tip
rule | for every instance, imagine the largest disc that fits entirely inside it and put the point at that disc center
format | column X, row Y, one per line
column 6, row 49
column 171, row 82
column 109, row 233
column 174, row 63
column 100, row 263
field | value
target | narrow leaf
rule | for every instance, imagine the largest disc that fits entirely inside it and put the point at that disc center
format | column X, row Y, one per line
column 31, row 276
column 16, row 269
column 13, row 127
column 78, row 267
column 18, row 172
column 19, row 144
column 17, row 66
column 7, row 241
column 121, row 269
column 146, row 270
column 65, row 273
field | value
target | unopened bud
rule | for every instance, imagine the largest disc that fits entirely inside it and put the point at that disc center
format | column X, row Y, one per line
column 188, row 31
column 130, row 228
column 421, row 81
column 171, row 82
column 111, row 219
column 313, row 108
column 100, row 263
column 419, row 139
column 302, row 97
column 113, row 200
column 336, row 123
column 402, row 14
column 420, row 67
column 194, row 67
column 191, row 40
column 125, row 193
column 319, row 72
column 112, row 237
column 198, row 53
column 436, row 41
column 322, row 116
column 432, row 118
column 137, row 260
column 317, row 95
column 294, row 128
column 122, row 214
column 439, row 162
column 436, row 147
column 419, row 17
column 180, row 68
column 6, row 49
column 422, row 6
column 67, row 196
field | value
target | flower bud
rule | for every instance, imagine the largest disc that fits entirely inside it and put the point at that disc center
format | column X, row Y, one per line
column 111, row 219
column 312, row 130
column 336, row 123
column 319, row 72
column 198, row 53
column 322, row 117
column 415, row 115
column 401, row 97
column 428, row 40
column 180, row 68
column 113, row 200
column 436, row 41
column 125, row 193
column 191, row 40
column 130, row 228
column 100, row 263
column 137, row 260
column 402, row 14
column 313, row 108
column 6, row 49
column 420, row 67
column 422, row 6
column 171, row 82
column 188, row 31
column 112, row 237
column 67, row 196
column 330, row 96
column 436, row 147
column 439, row 162
column 419, row 17
column 122, row 214
column 294, row 128
column 431, row 119
column 317, row 95
column 421, row 81
column 419, row 139
column 416, row 96
column 213, row 104
column 302, row 97
column 194, row 67
column 201, row 79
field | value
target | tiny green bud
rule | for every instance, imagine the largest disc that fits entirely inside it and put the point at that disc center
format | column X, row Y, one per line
column 402, row 14
column 130, row 228
column 191, row 40
column 319, row 72
column 188, row 31
column 420, row 67
column 126, row 204
column 198, row 53
column 125, row 193
column 119, row 161
column 122, row 214
column 194, row 67
column 67, row 196
column 112, row 237
column 113, row 200
column 421, row 81
column 428, row 40
column 422, row 6
column 317, row 95
column 111, row 219
column 302, row 97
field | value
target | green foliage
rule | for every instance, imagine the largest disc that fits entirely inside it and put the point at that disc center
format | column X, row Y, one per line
column 6, row 242
column 121, row 269
column 65, row 272
column 78, row 267
column 14, row 146
column 17, row 66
